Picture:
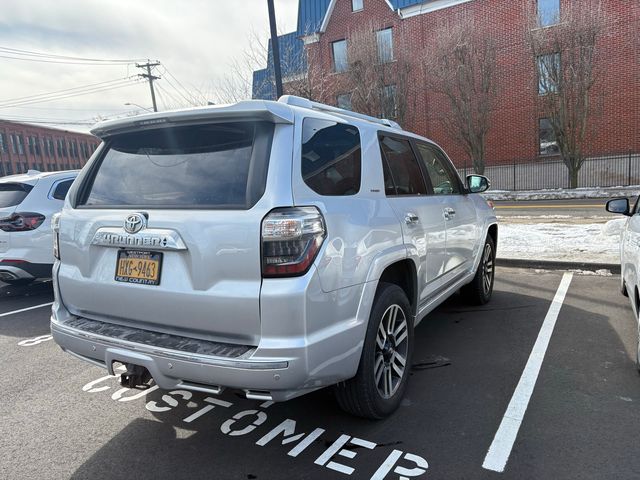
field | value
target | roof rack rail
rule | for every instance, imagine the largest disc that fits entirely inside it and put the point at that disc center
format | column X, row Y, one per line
column 305, row 103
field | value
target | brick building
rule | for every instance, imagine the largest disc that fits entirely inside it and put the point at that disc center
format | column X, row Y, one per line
column 29, row 147
column 519, row 132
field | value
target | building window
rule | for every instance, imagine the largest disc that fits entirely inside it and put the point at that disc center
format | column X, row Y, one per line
column 3, row 143
column 547, row 139
column 339, row 49
column 548, row 12
column 344, row 101
column 32, row 145
column 388, row 101
column 20, row 144
column 357, row 5
column 548, row 73
column 384, row 40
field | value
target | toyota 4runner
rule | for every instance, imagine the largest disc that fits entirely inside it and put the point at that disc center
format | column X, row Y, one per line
column 269, row 247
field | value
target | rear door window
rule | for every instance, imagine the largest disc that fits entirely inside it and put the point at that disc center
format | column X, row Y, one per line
column 221, row 165
column 12, row 194
column 331, row 157
column 405, row 174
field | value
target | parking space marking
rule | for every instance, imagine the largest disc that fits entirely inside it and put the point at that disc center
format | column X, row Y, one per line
column 6, row 314
column 500, row 449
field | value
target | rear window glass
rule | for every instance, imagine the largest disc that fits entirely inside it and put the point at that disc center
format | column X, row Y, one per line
column 220, row 165
column 12, row 194
column 331, row 152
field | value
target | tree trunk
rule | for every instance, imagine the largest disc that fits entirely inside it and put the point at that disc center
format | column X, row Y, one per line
column 573, row 176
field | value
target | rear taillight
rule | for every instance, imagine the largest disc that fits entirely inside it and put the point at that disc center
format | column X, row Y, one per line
column 21, row 222
column 291, row 239
column 55, row 226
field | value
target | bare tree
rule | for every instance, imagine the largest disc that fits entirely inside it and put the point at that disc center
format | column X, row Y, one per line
column 378, row 74
column 460, row 64
column 301, row 71
column 565, row 56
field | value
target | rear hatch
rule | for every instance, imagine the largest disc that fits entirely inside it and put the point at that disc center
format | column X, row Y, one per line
column 12, row 194
column 165, row 231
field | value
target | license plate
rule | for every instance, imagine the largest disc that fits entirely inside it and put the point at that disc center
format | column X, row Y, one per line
column 134, row 266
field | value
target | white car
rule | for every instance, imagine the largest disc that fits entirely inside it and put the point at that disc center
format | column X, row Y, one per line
column 27, row 202
column 629, row 256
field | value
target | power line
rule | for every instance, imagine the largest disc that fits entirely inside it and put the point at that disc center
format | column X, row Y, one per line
column 81, row 87
column 62, row 62
column 167, row 72
column 31, row 53
column 170, row 95
column 70, row 95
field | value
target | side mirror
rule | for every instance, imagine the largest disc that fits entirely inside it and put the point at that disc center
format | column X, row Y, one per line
column 618, row 205
column 477, row 183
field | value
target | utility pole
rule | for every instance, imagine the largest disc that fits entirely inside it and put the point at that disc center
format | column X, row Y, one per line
column 151, row 78
column 275, row 48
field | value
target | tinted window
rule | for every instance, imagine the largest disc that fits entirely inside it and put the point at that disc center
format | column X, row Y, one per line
column 60, row 193
column 12, row 194
column 216, row 165
column 331, row 161
column 403, row 167
column 438, row 169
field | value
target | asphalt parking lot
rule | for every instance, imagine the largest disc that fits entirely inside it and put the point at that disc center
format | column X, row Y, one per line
column 63, row 418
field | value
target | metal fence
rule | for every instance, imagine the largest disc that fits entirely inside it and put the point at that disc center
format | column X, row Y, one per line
column 604, row 171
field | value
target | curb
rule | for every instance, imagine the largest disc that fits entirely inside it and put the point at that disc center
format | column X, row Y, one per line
column 557, row 265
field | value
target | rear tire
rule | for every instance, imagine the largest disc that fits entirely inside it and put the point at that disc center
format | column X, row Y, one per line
column 379, row 385
column 479, row 291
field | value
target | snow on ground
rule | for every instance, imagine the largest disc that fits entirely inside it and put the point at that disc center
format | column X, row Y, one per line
column 563, row 193
column 590, row 242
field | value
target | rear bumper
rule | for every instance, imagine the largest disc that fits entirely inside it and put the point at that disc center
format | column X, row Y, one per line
column 176, row 369
column 12, row 270
column 309, row 340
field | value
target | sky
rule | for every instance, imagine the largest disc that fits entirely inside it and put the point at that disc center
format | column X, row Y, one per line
column 196, row 42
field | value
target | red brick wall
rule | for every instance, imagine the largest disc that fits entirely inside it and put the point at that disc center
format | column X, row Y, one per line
column 514, row 132
column 11, row 162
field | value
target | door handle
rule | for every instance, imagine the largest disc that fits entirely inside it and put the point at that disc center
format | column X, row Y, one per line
column 411, row 218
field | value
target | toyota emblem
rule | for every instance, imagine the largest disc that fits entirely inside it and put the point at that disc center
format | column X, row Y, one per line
column 135, row 222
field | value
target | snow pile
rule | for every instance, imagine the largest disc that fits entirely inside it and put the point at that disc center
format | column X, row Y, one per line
column 590, row 242
column 562, row 193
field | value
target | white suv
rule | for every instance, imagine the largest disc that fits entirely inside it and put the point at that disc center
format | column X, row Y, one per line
column 27, row 203
column 270, row 247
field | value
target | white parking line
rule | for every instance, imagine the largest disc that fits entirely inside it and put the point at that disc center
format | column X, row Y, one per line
column 505, row 437
column 26, row 309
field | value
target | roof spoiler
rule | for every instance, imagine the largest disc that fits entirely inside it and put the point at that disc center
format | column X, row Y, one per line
column 252, row 109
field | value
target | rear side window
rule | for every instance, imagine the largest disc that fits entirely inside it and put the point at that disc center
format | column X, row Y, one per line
column 222, row 165
column 60, row 193
column 12, row 194
column 406, row 176
column 331, row 157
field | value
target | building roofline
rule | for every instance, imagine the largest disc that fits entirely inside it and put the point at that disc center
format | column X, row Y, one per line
column 27, row 124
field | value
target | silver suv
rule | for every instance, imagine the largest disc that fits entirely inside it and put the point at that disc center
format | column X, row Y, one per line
column 269, row 247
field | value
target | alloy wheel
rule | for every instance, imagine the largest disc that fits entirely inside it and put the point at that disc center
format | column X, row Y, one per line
column 487, row 268
column 392, row 346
